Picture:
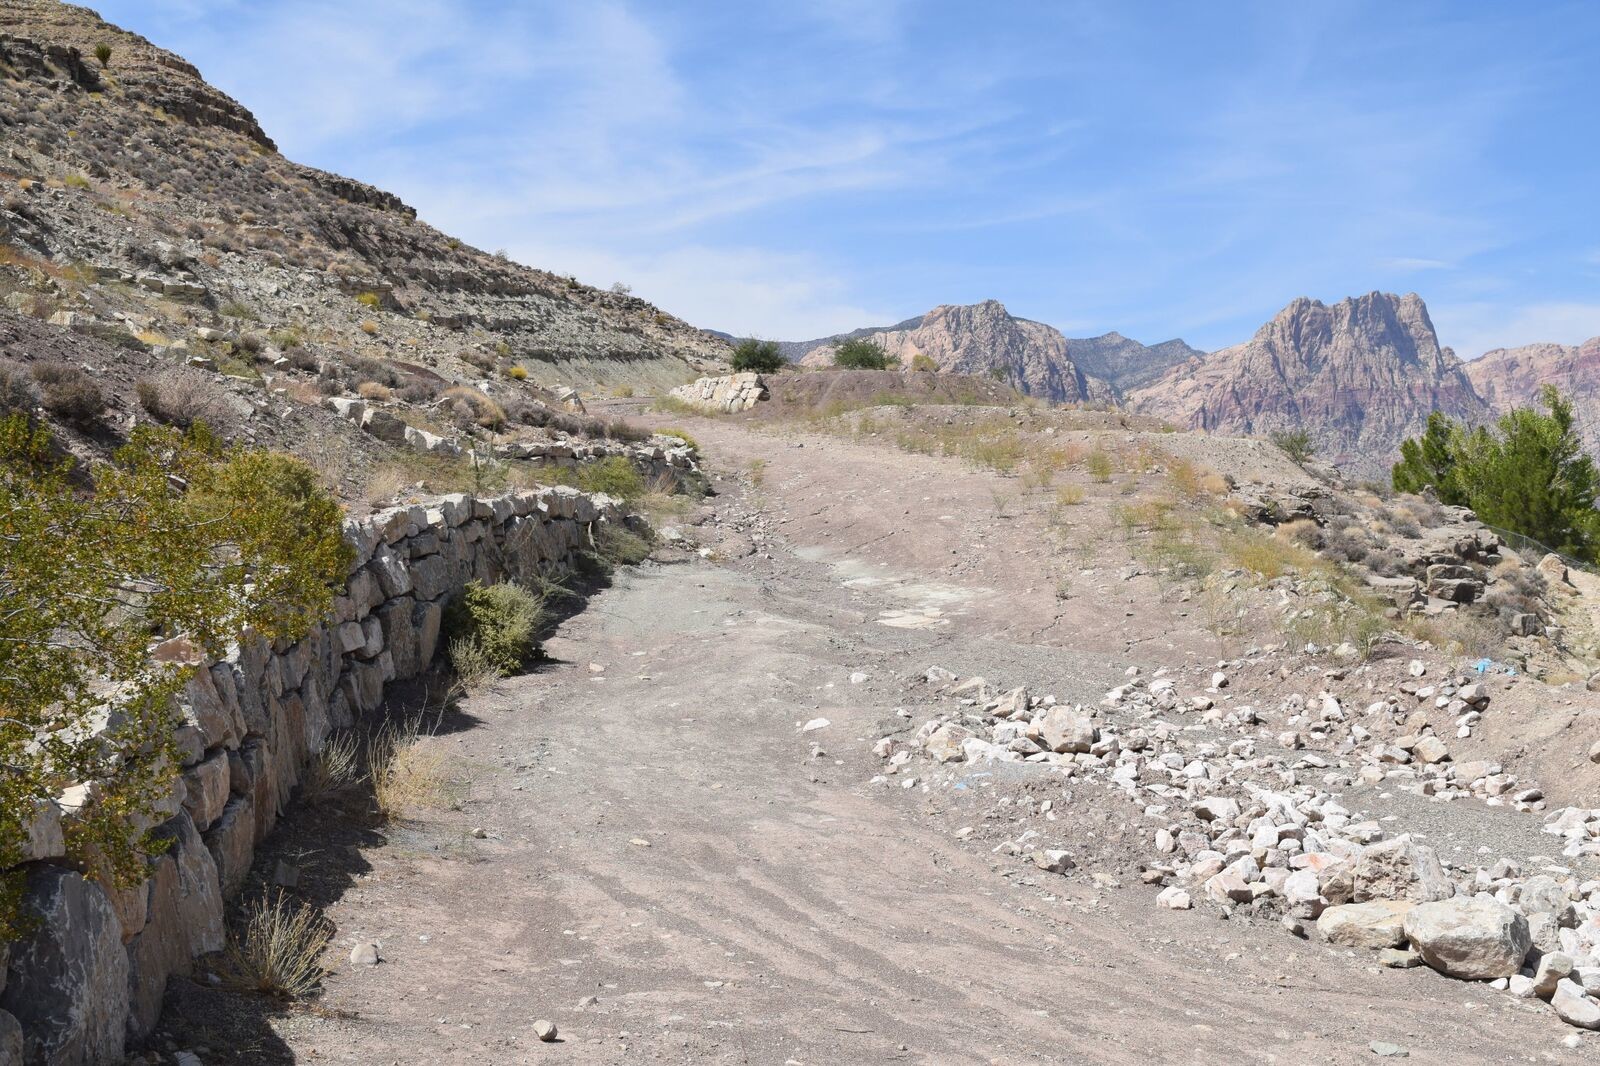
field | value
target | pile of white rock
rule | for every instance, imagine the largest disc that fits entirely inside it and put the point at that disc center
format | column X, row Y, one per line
column 1250, row 822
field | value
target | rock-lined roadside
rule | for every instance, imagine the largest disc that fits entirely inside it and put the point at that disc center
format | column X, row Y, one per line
column 1243, row 816
column 90, row 973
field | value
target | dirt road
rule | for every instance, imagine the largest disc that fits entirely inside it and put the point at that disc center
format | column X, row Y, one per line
column 654, row 853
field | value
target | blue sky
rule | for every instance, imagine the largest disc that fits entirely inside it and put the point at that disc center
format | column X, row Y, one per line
column 796, row 168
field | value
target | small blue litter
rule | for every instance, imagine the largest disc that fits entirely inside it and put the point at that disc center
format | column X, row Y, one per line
column 1483, row 665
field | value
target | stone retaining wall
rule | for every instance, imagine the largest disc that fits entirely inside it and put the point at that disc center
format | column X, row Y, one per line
column 730, row 392
column 91, row 973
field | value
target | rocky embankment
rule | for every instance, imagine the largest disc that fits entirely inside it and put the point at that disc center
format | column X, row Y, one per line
column 1241, row 808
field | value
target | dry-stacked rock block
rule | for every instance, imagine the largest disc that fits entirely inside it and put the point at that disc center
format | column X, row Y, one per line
column 729, row 393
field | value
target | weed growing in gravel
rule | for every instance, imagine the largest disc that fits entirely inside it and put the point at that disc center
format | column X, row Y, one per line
column 1098, row 463
column 279, row 951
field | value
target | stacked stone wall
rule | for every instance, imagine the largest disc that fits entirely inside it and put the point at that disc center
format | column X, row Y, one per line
column 90, row 972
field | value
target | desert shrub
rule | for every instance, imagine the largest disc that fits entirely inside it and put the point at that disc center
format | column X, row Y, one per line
column 472, row 406
column 418, row 391
column 1098, row 463
column 923, row 363
column 1295, row 443
column 482, row 360
column 102, row 52
column 369, row 369
column 369, row 327
column 614, row 475
column 67, row 392
column 760, row 356
column 517, row 373
column 16, row 389
column 370, row 300
column 502, row 620
column 237, row 309
column 1069, row 495
column 251, row 343
column 615, row 546
column 1347, row 543
column 472, row 665
column 860, row 354
column 254, row 542
column 279, row 950
column 285, row 338
column 178, row 398
column 371, row 390
column 303, row 359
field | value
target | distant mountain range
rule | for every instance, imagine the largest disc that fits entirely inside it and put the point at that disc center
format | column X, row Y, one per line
column 1361, row 375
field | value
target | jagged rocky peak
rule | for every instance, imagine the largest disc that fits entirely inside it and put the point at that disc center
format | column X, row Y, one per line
column 1123, row 361
column 982, row 338
column 1361, row 375
column 1512, row 377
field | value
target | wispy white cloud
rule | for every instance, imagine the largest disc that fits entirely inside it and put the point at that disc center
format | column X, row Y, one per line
column 1071, row 158
column 745, row 291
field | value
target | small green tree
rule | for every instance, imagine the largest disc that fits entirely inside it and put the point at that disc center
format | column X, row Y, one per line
column 1527, row 473
column 1295, row 443
column 1430, row 460
column 102, row 52
column 177, row 537
column 1532, row 476
column 762, row 357
column 859, row 353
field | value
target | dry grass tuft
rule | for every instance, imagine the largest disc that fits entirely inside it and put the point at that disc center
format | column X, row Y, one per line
column 279, row 951
column 407, row 772
column 334, row 771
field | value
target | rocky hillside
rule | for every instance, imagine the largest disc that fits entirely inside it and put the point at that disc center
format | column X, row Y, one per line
column 1511, row 377
column 1361, row 375
column 983, row 338
column 1124, row 362
column 144, row 201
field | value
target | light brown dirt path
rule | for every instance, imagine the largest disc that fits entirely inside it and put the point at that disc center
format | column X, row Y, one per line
column 660, row 835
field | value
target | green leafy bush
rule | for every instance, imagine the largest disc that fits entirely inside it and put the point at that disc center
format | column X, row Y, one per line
column 860, row 354
column 762, row 357
column 90, row 579
column 1295, row 443
column 1527, row 473
column 614, row 475
column 499, row 623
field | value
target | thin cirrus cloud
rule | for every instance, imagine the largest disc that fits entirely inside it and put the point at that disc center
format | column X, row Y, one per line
column 778, row 168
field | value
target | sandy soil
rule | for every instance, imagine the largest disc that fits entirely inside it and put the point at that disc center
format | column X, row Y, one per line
column 673, row 871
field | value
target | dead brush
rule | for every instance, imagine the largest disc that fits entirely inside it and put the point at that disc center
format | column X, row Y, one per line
column 407, row 772
column 278, row 952
column 335, row 770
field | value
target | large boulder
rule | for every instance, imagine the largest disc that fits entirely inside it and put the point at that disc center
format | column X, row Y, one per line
column 1399, row 869
column 11, row 1043
column 1064, row 730
column 67, row 982
column 1374, row 925
column 1478, row 939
